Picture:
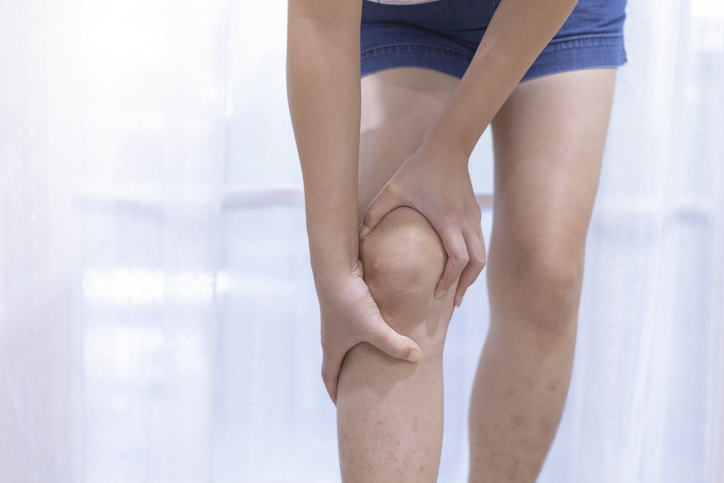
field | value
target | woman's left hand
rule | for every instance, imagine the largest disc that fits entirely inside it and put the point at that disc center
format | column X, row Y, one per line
column 435, row 181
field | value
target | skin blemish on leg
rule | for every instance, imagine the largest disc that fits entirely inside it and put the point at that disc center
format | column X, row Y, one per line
column 518, row 421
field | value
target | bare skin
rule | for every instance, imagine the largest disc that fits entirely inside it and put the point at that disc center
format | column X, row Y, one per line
column 382, row 331
column 389, row 412
column 548, row 138
column 323, row 86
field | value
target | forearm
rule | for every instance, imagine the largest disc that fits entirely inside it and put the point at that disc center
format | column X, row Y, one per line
column 518, row 32
column 323, row 87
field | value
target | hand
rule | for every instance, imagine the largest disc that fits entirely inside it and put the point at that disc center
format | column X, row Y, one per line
column 350, row 316
column 435, row 181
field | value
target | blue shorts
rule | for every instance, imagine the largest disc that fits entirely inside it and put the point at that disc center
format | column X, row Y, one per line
column 443, row 35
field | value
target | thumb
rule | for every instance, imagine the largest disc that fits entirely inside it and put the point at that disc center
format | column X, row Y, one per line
column 385, row 201
column 394, row 344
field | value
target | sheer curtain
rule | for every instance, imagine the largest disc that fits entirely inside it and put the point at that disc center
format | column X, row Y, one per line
column 158, row 320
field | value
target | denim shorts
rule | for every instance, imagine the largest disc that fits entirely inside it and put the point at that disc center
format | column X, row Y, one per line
column 443, row 35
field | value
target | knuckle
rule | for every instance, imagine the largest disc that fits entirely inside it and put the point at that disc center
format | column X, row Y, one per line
column 369, row 216
column 478, row 260
column 366, row 332
column 369, row 329
column 457, row 251
column 460, row 259
column 393, row 187
column 372, row 333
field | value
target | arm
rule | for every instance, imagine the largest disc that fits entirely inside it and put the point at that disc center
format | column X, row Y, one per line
column 518, row 32
column 323, row 87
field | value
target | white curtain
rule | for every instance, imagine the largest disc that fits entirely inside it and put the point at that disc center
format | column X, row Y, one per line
column 158, row 320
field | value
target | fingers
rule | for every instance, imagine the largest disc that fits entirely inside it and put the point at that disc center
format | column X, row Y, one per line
column 384, row 338
column 387, row 340
column 457, row 259
column 466, row 259
column 385, row 201
column 476, row 251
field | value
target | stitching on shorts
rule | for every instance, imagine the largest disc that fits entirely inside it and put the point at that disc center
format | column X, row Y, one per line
column 414, row 47
column 586, row 41
column 610, row 52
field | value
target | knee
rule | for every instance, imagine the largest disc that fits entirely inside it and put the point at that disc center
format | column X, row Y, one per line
column 403, row 259
column 546, row 287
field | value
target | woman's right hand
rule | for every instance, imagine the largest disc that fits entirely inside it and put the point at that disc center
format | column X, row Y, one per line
column 350, row 316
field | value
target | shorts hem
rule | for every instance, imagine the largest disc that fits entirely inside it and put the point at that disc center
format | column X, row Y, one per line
column 579, row 52
column 425, row 56
column 560, row 55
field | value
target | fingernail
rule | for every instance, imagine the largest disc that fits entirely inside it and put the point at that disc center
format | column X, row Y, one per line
column 458, row 301
column 439, row 293
column 363, row 232
column 414, row 356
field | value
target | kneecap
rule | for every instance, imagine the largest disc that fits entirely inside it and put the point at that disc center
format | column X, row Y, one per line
column 403, row 259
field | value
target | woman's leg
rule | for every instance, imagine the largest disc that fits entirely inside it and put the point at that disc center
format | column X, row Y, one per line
column 548, row 140
column 389, row 412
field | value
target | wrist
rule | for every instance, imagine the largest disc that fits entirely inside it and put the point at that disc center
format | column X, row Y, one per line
column 333, row 237
column 332, row 263
column 329, row 280
column 445, row 146
column 328, row 271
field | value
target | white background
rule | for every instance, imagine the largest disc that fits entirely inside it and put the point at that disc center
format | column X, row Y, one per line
column 158, row 320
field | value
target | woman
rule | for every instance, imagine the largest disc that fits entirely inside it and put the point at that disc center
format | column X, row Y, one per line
column 391, row 151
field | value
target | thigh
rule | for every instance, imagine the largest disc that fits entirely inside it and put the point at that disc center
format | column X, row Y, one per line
column 398, row 106
column 548, row 142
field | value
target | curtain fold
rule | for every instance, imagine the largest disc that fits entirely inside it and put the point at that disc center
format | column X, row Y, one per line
column 158, row 318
